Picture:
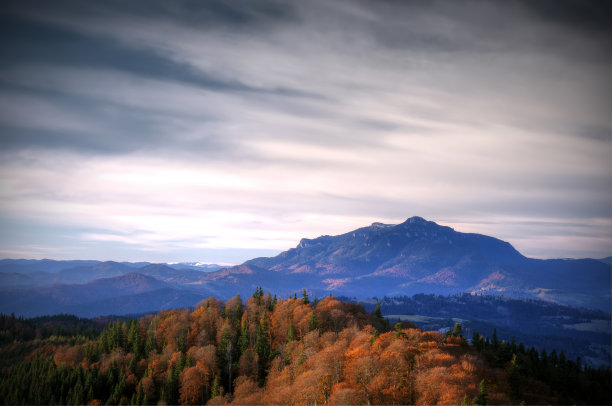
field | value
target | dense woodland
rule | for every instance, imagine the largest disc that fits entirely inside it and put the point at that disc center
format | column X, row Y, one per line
column 269, row 351
column 538, row 323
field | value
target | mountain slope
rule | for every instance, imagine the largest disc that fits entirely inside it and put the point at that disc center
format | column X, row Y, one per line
column 56, row 298
column 146, row 302
column 419, row 256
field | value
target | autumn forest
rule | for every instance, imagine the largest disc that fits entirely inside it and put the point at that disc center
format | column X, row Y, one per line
column 268, row 351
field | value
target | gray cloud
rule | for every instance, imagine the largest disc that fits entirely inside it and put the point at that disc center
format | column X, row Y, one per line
column 321, row 114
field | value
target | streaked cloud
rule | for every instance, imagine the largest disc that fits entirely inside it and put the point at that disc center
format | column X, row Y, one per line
column 157, row 130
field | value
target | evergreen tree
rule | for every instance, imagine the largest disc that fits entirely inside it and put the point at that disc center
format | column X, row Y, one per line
column 377, row 311
column 457, row 330
column 134, row 343
column 224, row 354
column 305, row 298
column 216, row 390
column 290, row 332
column 182, row 341
column 495, row 340
column 150, row 343
column 262, row 346
column 375, row 335
column 171, row 391
column 312, row 321
column 481, row 399
column 243, row 340
column 398, row 331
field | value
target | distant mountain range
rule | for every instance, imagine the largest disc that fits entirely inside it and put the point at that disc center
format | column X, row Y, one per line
column 27, row 272
column 417, row 256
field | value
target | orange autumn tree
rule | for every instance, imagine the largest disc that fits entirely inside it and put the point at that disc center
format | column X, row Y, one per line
column 287, row 351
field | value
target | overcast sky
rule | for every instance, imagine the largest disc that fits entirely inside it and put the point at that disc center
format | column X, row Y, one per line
column 218, row 131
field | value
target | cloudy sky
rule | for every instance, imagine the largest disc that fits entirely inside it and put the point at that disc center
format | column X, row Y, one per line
column 222, row 130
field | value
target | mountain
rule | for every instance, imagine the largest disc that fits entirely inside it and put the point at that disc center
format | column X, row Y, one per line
column 30, row 273
column 198, row 266
column 147, row 302
column 27, row 266
column 606, row 260
column 69, row 298
column 418, row 256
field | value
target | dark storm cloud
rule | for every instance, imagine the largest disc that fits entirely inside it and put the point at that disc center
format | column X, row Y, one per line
column 236, row 14
column 589, row 15
column 25, row 40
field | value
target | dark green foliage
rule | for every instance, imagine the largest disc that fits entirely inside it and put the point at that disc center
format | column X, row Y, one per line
column 171, row 391
column 457, row 330
column 243, row 339
column 39, row 381
column 398, row 330
column 312, row 321
column 569, row 380
column 375, row 335
column 481, row 399
column 377, row 311
column 216, row 390
column 258, row 295
column 225, row 355
column 495, row 339
column 290, row 332
column 263, row 348
column 305, row 298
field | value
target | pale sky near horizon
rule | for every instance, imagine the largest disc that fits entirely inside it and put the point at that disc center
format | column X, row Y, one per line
column 219, row 131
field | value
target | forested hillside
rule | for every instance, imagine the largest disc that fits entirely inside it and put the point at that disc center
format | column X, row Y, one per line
column 269, row 351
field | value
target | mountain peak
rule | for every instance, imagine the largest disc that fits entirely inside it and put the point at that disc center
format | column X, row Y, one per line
column 380, row 225
column 416, row 220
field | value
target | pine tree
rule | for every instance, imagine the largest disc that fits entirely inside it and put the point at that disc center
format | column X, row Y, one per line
column 224, row 352
column 375, row 335
column 481, row 399
column 495, row 340
column 243, row 340
column 457, row 330
column 134, row 339
column 150, row 343
column 377, row 311
column 262, row 346
column 398, row 331
column 290, row 332
column 216, row 390
column 312, row 321
column 305, row 298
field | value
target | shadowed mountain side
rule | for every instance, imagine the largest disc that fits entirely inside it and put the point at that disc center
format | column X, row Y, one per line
column 26, row 266
column 31, row 273
column 153, row 301
column 419, row 256
column 54, row 299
